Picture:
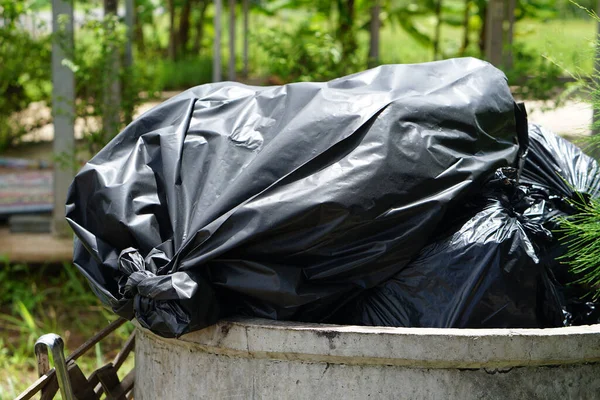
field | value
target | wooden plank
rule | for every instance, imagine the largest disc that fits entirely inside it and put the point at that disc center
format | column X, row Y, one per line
column 36, row 386
column 50, row 390
column 34, row 247
column 126, row 385
column 82, row 389
column 110, row 382
column 124, row 352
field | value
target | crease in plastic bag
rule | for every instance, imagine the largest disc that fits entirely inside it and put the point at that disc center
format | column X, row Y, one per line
column 283, row 202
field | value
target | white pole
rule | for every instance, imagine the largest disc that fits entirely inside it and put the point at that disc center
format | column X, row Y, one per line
column 63, row 108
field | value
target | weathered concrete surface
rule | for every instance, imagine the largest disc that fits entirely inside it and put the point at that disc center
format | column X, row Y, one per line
column 257, row 359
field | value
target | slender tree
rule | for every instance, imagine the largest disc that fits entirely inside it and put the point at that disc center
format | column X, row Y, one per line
column 184, row 27
column 112, row 86
column 217, row 41
column 231, row 74
column 346, row 34
column 466, row 18
column 172, row 50
column 374, row 27
column 199, row 35
column 438, row 28
column 246, row 16
column 510, row 33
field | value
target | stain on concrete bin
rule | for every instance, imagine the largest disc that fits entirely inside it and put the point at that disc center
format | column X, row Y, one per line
column 260, row 359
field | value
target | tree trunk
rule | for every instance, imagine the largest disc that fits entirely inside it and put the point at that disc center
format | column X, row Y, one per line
column 374, row 34
column 112, row 87
column 200, row 27
column 494, row 45
column 483, row 29
column 438, row 27
column 465, row 40
column 217, row 42
column 346, row 31
column 231, row 75
column 510, row 15
column 138, row 34
column 128, row 61
column 172, row 49
column 246, row 14
column 184, row 28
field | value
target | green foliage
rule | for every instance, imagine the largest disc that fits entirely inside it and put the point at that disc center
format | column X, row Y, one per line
column 537, row 77
column 97, row 64
column 306, row 53
column 180, row 74
column 581, row 232
column 24, row 71
column 582, row 237
column 43, row 299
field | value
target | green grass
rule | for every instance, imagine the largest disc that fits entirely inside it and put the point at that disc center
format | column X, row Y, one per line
column 41, row 299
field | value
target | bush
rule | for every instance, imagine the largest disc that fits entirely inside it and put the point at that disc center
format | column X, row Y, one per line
column 96, row 63
column 180, row 74
column 24, row 72
column 307, row 53
column 535, row 76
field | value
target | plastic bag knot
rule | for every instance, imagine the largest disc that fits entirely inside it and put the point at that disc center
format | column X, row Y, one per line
column 140, row 279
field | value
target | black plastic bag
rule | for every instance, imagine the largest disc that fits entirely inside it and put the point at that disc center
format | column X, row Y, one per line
column 486, row 274
column 560, row 174
column 559, row 166
column 283, row 202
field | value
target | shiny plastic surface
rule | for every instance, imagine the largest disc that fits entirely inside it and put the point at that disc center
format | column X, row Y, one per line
column 486, row 274
column 285, row 202
column 559, row 173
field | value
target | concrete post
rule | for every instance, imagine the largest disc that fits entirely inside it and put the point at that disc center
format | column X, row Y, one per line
column 217, row 42
column 63, row 108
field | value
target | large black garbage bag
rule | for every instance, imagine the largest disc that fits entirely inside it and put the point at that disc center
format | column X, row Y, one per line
column 559, row 166
column 486, row 274
column 560, row 174
column 281, row 202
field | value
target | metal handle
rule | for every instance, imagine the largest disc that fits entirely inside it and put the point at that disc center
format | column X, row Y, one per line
column 56, row 346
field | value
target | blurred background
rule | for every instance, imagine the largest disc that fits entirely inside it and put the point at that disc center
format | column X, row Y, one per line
column 74, row 73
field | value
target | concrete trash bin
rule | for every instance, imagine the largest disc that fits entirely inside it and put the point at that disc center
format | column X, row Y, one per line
column 259, row 359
